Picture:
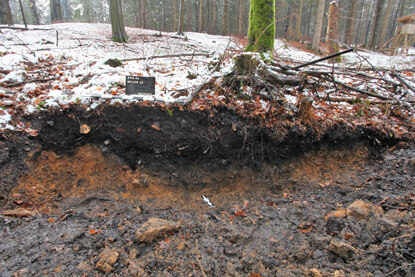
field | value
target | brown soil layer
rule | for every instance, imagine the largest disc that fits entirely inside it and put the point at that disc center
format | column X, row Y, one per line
column 73, row 200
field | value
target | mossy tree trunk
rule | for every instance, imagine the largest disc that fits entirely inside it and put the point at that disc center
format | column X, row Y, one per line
column 261, row 32
column 5, row 13
column 117, row 21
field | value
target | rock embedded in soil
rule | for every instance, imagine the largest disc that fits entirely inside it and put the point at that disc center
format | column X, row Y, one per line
column 362, row 210
column 154, row 228
column 342, row 249
column 107, row 259
column 314, row 272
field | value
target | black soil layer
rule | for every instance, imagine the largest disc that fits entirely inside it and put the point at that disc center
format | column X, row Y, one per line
column 289, row 201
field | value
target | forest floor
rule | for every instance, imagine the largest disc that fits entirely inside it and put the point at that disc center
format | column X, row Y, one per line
column 95, row 182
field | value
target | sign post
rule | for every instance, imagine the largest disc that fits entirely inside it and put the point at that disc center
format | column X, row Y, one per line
column 142, row 86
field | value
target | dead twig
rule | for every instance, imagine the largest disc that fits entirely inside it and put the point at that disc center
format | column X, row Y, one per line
column 403, row 81
column 30, row 81
column 167, row 56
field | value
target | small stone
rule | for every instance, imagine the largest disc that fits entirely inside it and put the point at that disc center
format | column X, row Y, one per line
column 84, row 266
column 135, row 181
column 339, row 273
column 107, row 259
column 154, row 228
column 133, row 254
column 362, row 210
column 138, row 210
column 343, row 249
column 181, row 246
column 314, row 272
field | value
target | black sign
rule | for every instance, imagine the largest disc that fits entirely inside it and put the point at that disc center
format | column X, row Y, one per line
column 140, row 85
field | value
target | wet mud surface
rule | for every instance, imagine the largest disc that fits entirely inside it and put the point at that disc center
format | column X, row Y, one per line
column 288, row 202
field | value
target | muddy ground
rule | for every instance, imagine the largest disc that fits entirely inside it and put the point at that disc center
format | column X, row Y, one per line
column 289, row 201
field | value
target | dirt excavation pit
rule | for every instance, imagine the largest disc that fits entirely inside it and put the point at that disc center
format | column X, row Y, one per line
column 53, row 178
column 125, row 199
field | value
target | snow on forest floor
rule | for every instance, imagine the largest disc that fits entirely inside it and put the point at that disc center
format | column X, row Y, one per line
column 64, row 64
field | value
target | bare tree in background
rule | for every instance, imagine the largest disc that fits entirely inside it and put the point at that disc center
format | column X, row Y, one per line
column 319, row 25
column 117, row 21
column 5, row 12
column 55, row 11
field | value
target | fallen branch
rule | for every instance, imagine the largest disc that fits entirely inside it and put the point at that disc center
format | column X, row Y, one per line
column 166, row 56
column 323, row 59
column 24, row 29
column 358, row 90
column 199, row 88
column 403, row 81
column 30, row 81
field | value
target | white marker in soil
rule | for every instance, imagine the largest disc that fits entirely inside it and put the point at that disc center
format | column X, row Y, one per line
column 207, row 201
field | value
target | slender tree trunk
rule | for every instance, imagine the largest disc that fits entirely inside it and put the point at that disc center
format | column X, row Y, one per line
column 23, row 15
column 225, row 18
column 365, row 26
column 143, row 14
column 181, row 18
column 319, row 25
column 385, row 24
column 189, row 16
column 201, row 9
column 214, row 7
column 176, row 15
column 291, row 12
column 35, row 14
column 352, row 23
column 333, row 30
column 298, row 21
column 67, row 11
column 55, row 11
column 117, row 21
column 241, row 17
column 261, row 31
column 375, row 32
column 5, row 13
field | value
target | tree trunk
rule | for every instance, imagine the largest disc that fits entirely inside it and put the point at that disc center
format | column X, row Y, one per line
column 318, row 25
column 385, row 24
column 375, row 32
column 175, row 15
column 261, row 31
column 365, row 25
column 333, row 30
column 241, row 17
column 298, row 21
column 181, row 18
column 225, row 18
column 67, row 11
column 189, row 16
column 351, row 24
column 117, row 21
column 5, row 13
column 35, row 14
column 213, row 20
column 143, row 14
column 201, row 10
column 55, row 11
column 23, row 15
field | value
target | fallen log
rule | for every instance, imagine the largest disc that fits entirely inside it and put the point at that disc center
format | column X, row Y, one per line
column 30, row 81
column 323, row 59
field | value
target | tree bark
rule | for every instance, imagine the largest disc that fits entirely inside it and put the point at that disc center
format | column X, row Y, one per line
column 385, row 24
column 319, row 25
column 225, row 17
column 55, row 11
column 213, row 20
column 181, row 18
column 175, row 15
column 33, row 8
column 351, row 24
column 189, row 16
column 241, row 17
column 261, row 31
column 23, row 15
column 298, row 21
column 5, row 13
column 374, row 34
column 333, row 30
column 201, row 10
column 117, row 21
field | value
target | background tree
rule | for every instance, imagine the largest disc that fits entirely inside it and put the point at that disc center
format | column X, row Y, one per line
column 350, row 31
column 33, row 8
column 55, row 11
column 117, row 21
column 5, row 12
column 318, row 26
column 261, row 31
column 225, row 17
column 333, row 30
column 181, row 18
column 376, row 26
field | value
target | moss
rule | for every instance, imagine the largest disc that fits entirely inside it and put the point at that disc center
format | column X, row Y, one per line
column 113, row 62
column 261, row 32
